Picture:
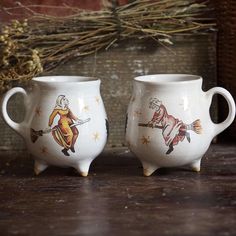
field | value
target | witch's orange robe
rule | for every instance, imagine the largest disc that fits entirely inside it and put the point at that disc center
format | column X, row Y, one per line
column 63, row 133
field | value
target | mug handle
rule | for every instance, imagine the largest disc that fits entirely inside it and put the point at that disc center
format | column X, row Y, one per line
column 218, row 128
column 18, row 127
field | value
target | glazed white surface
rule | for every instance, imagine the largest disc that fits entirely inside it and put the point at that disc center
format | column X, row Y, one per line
column 85, row 102
column 183, row 99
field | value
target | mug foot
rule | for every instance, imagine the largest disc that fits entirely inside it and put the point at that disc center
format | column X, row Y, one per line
column 148, row 169
column 83, row 168
column 39, row 167
column 196, row 166
column 83, row 174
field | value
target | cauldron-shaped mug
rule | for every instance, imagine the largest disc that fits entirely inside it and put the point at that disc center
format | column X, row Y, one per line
column 65, row 122
column 169, row 123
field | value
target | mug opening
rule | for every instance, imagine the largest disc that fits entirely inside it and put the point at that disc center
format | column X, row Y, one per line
column 62, row 79
column 168, row 78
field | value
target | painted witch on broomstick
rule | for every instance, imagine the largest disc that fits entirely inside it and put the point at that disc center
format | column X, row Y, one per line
column 65, row 133
column 173, row 129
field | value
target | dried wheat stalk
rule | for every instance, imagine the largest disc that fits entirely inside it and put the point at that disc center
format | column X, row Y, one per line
column 42, row 42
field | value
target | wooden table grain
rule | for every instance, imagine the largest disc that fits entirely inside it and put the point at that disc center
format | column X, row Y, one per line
column 115, row 199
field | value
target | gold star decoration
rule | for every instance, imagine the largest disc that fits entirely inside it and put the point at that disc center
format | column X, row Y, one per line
column 38, row 111
column 86, row 108
column 137, row 113
column 44, row 150
column 96, row 136
column 145, row 140
column 97, row 99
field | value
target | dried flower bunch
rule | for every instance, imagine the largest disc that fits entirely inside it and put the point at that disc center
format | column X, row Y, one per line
column 42, row 42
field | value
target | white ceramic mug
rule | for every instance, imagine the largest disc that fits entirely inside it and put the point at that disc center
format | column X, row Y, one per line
column 65, row 122
column 169, row 123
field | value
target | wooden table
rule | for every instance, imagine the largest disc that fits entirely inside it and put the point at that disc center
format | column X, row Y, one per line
column 115, row 199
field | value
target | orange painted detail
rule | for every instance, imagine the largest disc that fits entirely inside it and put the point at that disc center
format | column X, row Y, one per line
column 63, row 133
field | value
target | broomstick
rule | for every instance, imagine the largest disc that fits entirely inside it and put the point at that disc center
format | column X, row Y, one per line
column 34, row 134
column 194, row 126
column 148, row 125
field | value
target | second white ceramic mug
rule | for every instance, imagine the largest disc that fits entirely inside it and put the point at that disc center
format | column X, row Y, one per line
column 169, row 123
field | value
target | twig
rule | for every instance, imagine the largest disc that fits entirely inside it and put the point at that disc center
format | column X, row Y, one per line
column 43, row 42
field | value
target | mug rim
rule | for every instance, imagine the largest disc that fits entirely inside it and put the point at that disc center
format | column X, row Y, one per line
column 161, row 79
column 59, row 79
